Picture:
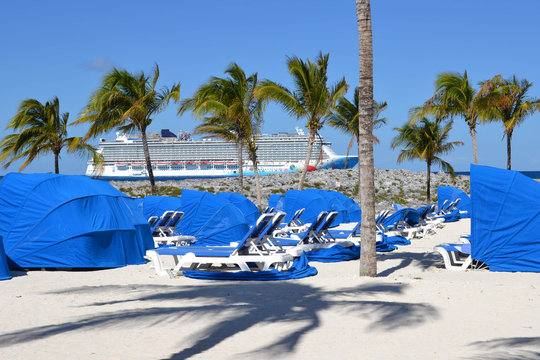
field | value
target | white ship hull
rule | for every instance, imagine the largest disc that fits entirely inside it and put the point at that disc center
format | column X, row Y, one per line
column 183, row 159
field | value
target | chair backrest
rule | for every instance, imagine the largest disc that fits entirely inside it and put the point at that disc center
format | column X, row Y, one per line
column 313, row 227
column 328, row 221
column 175, row 219
column 152, row 220
column 295, row 221
column 165, row 218
column 255, row 232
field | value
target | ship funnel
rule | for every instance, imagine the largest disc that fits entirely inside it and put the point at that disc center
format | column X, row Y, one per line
column 299, row 131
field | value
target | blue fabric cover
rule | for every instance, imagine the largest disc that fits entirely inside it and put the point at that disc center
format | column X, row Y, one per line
column 349, row 210
column 210, row 218
column 453, row 216
column 451, row 193
column 339, row 253
column 505, row 219
column 51, row 220
column 249, row 209
column 274, row 199
column 4, row 268
column 297, row 199
column 157, row 205
column 299, row 269
column 411, row 217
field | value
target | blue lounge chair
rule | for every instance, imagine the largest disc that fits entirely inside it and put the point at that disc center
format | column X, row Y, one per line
column 247, row 254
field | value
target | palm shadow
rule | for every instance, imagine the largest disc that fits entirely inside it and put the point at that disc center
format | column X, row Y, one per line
column 424, row 261
column 522, row 348
column 251, row 303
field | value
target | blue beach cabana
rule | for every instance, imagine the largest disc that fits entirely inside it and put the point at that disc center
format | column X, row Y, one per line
column 505, row 219
column 212, row 219
column 294, row 200
column 61, row 221
column 249, row 209
column 450, row 194
column 4, row 268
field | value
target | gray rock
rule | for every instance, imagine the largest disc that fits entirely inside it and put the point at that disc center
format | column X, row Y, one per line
column 405, row 187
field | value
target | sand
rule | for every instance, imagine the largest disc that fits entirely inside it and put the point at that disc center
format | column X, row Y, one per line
column 415, row 309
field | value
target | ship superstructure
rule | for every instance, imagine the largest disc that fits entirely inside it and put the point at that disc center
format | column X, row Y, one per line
column 178, row 156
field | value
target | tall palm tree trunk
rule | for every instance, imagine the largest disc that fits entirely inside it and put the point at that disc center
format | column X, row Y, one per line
column 312, row 133
column 472, row 129
column 368, row 257
column 348, row 150
column 257, row 181
column 428, row 183
column 509, row 150
column 240, row 168
column 56, row 165
column 148, row 162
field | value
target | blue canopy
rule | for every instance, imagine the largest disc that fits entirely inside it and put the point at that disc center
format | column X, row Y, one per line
column 210, row 218
column 274, row 199
column 450, row 194
column 349, row 210
column 505, row 219
column 4, row 268
column 157, row 205
column 51, row 220
column 312, row 201
column 249, row 209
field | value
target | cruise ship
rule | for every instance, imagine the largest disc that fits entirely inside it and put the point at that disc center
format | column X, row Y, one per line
column 178, row 156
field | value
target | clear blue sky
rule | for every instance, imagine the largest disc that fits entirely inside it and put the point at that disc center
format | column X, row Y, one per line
column 63, row 48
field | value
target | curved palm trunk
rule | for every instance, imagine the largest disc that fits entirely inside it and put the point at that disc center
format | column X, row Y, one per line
column 509, row 150
column 312, row 133
column 148, row 162
column 56, row 165
column 257, row 180
column 368, row 257
column 472, row 129
column 240, row 168
column 348, row 150
column 428, row 183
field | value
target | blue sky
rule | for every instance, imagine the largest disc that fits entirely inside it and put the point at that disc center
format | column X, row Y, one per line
column 63, row 48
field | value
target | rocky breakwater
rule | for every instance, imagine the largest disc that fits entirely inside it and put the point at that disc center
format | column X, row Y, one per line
column 391, row 186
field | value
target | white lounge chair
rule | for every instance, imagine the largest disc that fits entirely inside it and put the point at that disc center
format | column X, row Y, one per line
column 456, row 256
column 246, row 255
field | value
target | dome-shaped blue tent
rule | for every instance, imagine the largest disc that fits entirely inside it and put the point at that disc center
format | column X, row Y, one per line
column 450, row 194
column 4, row 268
column 61, row 221
column 275, row 199
column 249, row 209
column 505, row 219
column 157, row 205
column 210, row 218
column 294, row 200
column 349, row 210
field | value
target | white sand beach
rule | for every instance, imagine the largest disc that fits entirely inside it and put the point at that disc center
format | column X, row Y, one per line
column 415, row 309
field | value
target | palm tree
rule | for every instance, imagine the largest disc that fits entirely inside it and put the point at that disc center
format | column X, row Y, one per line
column 230, row 110
column 454, row 96
column 128, row 102
column 426, row 140
column 43, row 129
column 345, row 118
column 311, row 98
column 368, row 257
column 507, row 101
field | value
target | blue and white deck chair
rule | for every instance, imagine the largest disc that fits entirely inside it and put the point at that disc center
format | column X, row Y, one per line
column 455, row 256
column 162, row 222
column 238, row 255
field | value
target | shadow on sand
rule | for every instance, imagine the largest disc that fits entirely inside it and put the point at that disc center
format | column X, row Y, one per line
column 251, row 304
column 522, row 348
column 423, row 260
